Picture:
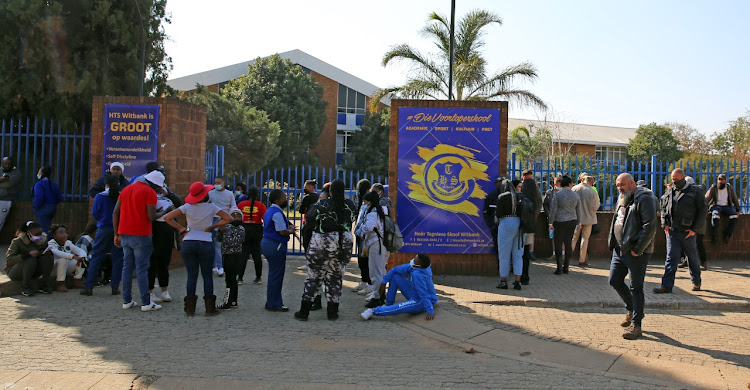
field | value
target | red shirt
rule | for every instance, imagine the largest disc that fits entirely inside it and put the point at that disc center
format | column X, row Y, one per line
column 259, row 209
column 133, row 212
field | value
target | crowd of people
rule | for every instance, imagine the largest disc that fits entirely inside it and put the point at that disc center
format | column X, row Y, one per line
column 137, row 223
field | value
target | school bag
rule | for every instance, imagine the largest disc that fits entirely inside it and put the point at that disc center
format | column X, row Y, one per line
column 393, row 240
column 527, row 213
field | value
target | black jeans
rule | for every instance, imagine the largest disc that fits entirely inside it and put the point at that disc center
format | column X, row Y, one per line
column 232, row 262
column 622, row 265
column 31, row 268
column 251, row 247
column 163, row 239
column 563, row 236
column 363, row 262
column 526, row 263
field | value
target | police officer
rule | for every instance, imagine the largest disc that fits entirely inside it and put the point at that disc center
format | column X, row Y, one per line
column 683, row 213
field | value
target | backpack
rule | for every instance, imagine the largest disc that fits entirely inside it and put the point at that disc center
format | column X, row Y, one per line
column 527, row 213
column 326, row 220
column 393, row 240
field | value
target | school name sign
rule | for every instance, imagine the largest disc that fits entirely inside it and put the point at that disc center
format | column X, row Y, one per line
column 447, row 163
column 131, row 136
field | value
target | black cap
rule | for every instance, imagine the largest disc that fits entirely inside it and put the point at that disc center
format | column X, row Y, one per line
column 154, row 166
column 311, row 182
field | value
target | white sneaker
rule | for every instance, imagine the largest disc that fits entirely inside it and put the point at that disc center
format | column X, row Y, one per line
column 373, row 295
column 150, row 307
column 302, row 268
column 221, row 271
column 367, row 314
column 128, row 305
column 155, row 298
column 366, row 290
column 165, row 297
column 215, row 270
column 359, row 287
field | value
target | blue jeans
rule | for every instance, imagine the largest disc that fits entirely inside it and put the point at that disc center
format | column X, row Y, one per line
column 45, row 214
column 622, row 265
column 103, row 244
column 677, row 244
column 136, row 254
column 198, row 255
column 509, row 246
column 275, row 253
column 716, row 213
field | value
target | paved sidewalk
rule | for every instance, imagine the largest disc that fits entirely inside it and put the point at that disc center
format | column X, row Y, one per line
column 66, row 340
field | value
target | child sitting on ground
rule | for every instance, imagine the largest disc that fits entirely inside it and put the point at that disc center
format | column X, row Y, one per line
column 231, row 236
column 85, row 240
column 69, row 259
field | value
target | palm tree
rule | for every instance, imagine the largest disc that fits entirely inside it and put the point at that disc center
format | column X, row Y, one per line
column 528, row 146
column 428, row 77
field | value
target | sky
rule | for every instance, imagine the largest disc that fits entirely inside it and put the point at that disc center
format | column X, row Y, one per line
column 610, row 63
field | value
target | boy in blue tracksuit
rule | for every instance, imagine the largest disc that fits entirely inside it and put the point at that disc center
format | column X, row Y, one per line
column 414, row 280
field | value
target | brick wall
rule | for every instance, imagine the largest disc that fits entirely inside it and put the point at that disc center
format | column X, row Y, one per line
column 72, row 215
column 484, row 264
column 325, row 150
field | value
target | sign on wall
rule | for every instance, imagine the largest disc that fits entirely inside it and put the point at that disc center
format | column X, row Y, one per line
column 448, row 161
column 130, row 137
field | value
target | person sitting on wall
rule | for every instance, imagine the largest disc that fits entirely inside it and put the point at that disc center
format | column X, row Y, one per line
column 115, row 169
column 722, row 199
column 414, row 280
column 28, row 258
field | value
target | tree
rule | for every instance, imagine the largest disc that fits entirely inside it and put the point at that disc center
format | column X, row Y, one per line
column 249, row 138
column 653, row 139
column 57, row 55
column 691, row 140
column 290, row 97
column 734, row 142
column 368, row 147
column 428, row 77
column 529, row 146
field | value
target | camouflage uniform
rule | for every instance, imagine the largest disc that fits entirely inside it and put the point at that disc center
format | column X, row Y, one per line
column 326, row 262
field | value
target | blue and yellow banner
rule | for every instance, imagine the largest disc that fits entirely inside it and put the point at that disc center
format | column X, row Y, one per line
column 447, row 164
column 131, row 134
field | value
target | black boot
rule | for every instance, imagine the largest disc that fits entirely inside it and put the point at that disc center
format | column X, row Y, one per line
column 559, row 266
column 224, row 305
column 317, row 303
column 333, row 311
column 526, row 263
column 304, row 311
column 190, row 303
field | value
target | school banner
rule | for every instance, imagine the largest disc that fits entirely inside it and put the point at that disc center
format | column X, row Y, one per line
column 447, row 164
column 130, row 137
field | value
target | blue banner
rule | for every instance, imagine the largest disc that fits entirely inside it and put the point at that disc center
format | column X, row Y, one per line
column 131, row 136
column 447, row 164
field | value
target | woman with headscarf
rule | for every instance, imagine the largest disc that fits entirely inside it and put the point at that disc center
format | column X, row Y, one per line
column 330, row 249
column 45, row 197
column 372, row 230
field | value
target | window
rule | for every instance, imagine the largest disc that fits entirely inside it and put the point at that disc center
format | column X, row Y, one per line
column 342, row 141
column 350, row 101
column 611, row 153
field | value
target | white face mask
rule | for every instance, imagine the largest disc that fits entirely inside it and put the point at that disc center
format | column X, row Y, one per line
column 238, row 193
column 39, row 176
column 557, row 188
column 219, row 187
column 411, row 263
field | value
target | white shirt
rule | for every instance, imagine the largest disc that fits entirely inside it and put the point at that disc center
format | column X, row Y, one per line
column 722, row 197
column 199, row 217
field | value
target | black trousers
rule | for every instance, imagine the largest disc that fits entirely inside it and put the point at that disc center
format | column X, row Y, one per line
column 232, row 262
column 526, row 263
column 563, row 236
column 163, row 240
column 364, row 264
column 31, row 268
column 251, row 247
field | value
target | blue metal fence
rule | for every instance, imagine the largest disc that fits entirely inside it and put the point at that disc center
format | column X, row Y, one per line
column 35, row 142
column 655, row 173
column 214, row 163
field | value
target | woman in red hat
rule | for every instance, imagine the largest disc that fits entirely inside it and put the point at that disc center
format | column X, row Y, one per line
column 197, row 245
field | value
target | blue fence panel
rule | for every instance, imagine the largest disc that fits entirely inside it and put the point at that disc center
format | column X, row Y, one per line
column 34, row 143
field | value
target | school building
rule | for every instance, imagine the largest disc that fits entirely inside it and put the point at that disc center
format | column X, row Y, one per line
column 348, row 97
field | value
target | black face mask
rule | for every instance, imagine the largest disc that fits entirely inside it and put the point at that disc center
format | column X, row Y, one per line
column 237, row 222
column 722, row 186
column 680, row 184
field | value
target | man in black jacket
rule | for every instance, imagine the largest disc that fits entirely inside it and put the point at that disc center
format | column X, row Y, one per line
column 683, row 213
column 115, row 169
column 631, row 238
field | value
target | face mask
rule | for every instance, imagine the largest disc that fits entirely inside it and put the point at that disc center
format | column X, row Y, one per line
column 219, row 187
column 237, row 193
column 680, row 183
column 39, row 176
column 35, row 238
column 722, row 186
column 236, row 222
column 411, row 263
column 285, row 204
column 558, row 188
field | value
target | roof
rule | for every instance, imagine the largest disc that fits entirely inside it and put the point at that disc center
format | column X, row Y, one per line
column 220, row 75
column 579, row 133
